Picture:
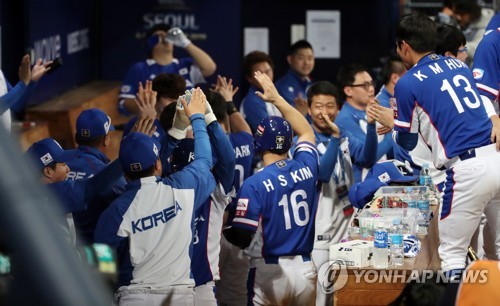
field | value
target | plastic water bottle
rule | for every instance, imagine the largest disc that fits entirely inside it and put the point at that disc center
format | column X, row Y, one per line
column 396, row 239
column 380, row 258
column 425, row 177
column 409, row 198
column 423, row 205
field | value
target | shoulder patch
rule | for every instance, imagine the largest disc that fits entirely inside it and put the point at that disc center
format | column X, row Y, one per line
column 478, row 74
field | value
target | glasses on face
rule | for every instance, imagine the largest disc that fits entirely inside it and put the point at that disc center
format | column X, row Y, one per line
column 464, row 49
column 365, row 85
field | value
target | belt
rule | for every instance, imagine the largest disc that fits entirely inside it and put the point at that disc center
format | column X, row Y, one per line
column 275, row 260
column 467, row 154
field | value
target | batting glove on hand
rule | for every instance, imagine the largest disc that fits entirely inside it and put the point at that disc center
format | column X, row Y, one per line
column 177, row 38
column 209, row 114
column 181, row 121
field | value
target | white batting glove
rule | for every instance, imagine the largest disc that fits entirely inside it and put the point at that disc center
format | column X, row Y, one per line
column 181, row 121
column 209, row 114
column 177, row 38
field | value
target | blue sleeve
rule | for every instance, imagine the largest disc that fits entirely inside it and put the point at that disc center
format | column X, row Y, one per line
column 17, row 97
column 107, row 227
column 224, row 152
column 328, row 160
column 254, row 112
column 70, row 194
column 196, row 174
column 131, row 81
column 282, row 87
column 406, row 140
column 102, row 181
column 364, row 154
column 385, row 147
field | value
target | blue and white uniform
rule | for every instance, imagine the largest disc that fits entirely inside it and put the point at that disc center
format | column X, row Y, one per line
column 279, row 204
column 13, row 98
column 384, row 97
column 291, row 86
column 151, row 226
column 89, row 162
column 254, row 109
column 149, row 69
column 441, row 91
column 354, row 121
column 233, row 263
column 486, row 68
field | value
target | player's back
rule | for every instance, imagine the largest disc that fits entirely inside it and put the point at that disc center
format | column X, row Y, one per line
column 442, row 91
column 287, row 193
column 242, row 143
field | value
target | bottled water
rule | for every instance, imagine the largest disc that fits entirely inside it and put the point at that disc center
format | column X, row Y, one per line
column 424, row 214
column 396, row 239
column 409, row 198
column 425, row 177
column 380, row 252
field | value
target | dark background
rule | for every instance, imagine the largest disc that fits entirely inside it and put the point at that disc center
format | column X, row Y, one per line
column 112, row 40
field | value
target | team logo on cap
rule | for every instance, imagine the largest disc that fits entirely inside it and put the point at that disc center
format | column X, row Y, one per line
column 280, row 140
column 135, row 167
column 125, row 88
column 46, row 159
column 85, row 132
column 478, row 73
column 260, row 130
column 107, row 125
column 155, row 149
column 384, row 177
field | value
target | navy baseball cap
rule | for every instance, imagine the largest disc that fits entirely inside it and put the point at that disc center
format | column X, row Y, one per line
column 138, row 152
column 381, row 174
column 93, row 123
column 48, row 151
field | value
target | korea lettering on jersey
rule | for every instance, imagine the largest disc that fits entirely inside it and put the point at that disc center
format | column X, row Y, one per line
column 280, row 204
column 442, row 90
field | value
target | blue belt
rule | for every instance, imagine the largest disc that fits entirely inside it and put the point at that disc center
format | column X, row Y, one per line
column 274, row 260
column 467, row 154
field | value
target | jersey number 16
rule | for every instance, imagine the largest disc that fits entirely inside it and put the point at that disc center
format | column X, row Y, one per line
column 296, row 207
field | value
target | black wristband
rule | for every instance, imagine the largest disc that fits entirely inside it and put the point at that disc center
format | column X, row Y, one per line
column 230, row 108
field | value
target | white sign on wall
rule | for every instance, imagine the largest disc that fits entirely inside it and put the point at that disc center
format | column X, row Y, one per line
column 323, row 32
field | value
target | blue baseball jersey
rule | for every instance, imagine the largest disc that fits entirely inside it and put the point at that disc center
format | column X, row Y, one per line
column 280, row 204
column 291, row 85
column 89, row 162
column 149, row 69
column 353, row 123
column 442, row 91
column 206, row 238
column 486, row 67
column 242, row 143
column 384, row 97
column 254, row 109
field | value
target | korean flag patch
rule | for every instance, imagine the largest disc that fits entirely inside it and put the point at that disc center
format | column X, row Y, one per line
column 384, row 177
column 478, row 74
column 46, row 159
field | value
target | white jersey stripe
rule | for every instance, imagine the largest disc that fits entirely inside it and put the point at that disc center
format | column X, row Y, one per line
column 246, row 221
column 402, row 123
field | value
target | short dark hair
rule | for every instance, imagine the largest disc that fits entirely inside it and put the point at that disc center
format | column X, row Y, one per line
column 92, row 142
column 253, row 58
column 393, row 65
column 467, row 7
column 167, row 116
column 418, row 31
column 140, row 174
column 449, row 39
column 157, row 27
column 347, row 74
column 169, row 85
column 301, row 44
column 218, row 104
column 322, row 88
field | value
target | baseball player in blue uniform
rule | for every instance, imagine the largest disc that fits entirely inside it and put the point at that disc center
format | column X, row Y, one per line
column 274, row 220
column 442, row 90
column 486, row 68
column 151, row 224
column 92, row 137
column 358, row 90
column 337, row 153
column 160, row 42
column 252, row 108
column 293, row 85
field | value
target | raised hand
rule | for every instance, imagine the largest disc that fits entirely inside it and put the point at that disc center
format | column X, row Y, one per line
column 177, row 38
column 225, row 88
column 197, row 103
column 24, row 70
column 270, row 94
column 39, row 70
column 333, row 127
column 146, row 100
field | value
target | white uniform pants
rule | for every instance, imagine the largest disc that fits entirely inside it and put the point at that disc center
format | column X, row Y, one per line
column 321, row 257
column 472, row 187
column 291, row 281
column 174, row 297
column 204, row 295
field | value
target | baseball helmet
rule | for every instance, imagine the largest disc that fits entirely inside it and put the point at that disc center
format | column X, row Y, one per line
column 183, row 154
column 273, row 133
